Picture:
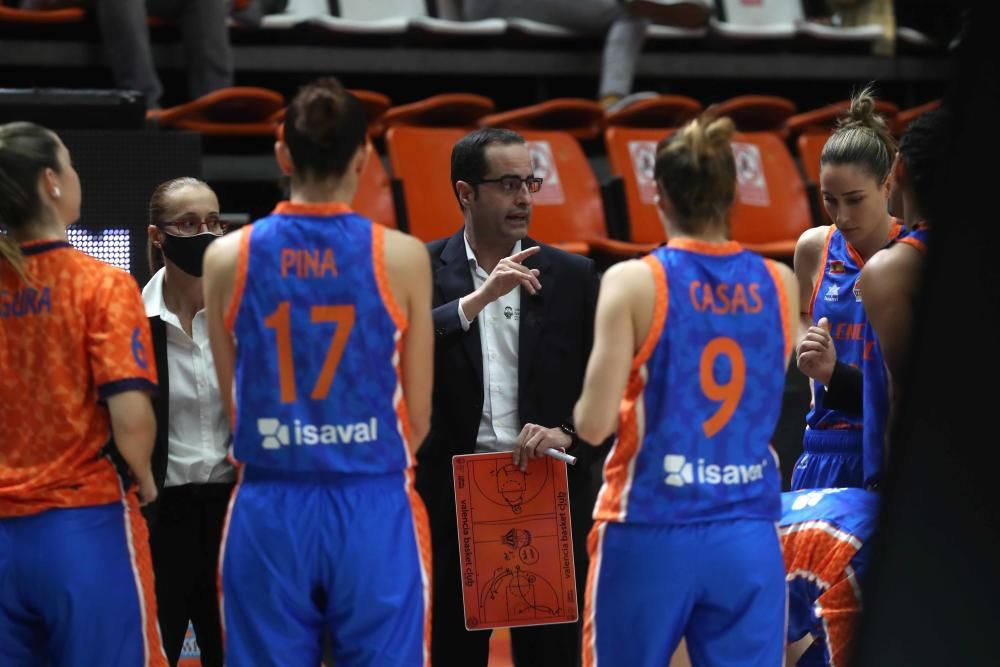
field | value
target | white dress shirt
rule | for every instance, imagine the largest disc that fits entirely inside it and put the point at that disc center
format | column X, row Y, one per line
column 198, row 432
column 499, row 324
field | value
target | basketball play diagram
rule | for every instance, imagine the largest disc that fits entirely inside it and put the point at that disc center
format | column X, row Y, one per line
column 515, row 541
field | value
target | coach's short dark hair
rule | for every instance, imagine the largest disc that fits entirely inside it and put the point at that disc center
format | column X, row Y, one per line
column 468, row 157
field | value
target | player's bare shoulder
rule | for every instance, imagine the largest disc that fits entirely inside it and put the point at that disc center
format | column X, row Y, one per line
column 809, row 247
column 630, row 275
column 403, row 251
column 890, row 272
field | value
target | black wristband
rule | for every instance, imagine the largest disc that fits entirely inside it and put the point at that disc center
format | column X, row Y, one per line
column 567, row 428
column 846, row 389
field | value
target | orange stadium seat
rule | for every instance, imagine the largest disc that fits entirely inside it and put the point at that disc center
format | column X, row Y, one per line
column 238, row 111
column 567, row 212
column 771, row 209
column 448, row 110
column 41, row 16
column 664, row 111
column 375, row 104
column 582, row 119
column 632, row 155
column 421, row 158
column 757, row 113
column 825, row 118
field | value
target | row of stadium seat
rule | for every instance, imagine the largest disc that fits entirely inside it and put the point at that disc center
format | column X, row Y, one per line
column 737, row 22
column 572, row 210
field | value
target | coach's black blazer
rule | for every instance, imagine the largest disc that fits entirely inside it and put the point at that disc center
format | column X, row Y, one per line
column 555, row 337
column 161, row 402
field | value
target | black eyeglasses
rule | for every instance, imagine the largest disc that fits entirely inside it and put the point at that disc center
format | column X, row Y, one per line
column 512, row 184
column 191, row 224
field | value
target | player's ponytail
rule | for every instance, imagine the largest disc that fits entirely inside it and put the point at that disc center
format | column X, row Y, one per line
column 26, row 150
column 862, row 138
column 695, row 167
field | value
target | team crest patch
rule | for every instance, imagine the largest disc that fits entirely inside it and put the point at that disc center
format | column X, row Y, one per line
column 837, row 266
column 857, row 289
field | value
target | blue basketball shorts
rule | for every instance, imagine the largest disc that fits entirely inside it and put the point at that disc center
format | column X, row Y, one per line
column 76, row 588
column 831, row 459
column 307, row 555
column 720, row 585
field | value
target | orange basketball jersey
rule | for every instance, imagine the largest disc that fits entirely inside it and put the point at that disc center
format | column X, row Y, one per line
column 72, row 337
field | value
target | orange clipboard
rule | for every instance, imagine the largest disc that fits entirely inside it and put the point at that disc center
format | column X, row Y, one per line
column 515, row 541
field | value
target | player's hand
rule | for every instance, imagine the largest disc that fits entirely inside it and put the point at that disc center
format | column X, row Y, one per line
column 817, row 355
column 147, row 490
column 511, row 273
column 534, row 440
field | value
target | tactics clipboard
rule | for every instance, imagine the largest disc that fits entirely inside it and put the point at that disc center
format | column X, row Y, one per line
column 515, row 541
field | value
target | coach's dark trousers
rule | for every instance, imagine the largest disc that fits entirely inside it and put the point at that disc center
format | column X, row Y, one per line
column 185, row 533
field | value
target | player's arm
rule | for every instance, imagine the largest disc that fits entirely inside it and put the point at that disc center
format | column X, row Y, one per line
column 791, row 284
column 808, row 252
column 624, row 315
column 409, row 271
column 119, row 348
column 889, row 279
column 133, row 425
column 221, row 259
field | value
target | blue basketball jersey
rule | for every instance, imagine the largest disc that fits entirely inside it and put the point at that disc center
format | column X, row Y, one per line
column 318, row 335
column 876, row 384
column 704, row 393
column 824, row 537
column 837, row 296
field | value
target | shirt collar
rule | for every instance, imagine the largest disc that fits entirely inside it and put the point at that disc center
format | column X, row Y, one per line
column 152, row 299
column 152, row 295
column 471, row 256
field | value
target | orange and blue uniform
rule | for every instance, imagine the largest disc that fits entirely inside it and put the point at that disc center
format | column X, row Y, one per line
column 76, row 582
column 824, row 536
column 832, row 444
column 686, row 517
column 325, row 531
column 875, row 395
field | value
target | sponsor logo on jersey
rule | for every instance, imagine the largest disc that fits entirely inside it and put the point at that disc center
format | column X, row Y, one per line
column 277, row 435
column 832, row 294
column 681, row 472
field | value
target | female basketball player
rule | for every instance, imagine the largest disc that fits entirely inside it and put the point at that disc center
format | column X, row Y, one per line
column 76, row 585
column 854, row 179
column 320, row 323
column 697, row 336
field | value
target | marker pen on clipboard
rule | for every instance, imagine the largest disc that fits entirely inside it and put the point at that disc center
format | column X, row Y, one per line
column 561, row 456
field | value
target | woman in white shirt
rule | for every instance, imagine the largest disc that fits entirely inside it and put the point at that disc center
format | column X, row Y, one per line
column 189, row 461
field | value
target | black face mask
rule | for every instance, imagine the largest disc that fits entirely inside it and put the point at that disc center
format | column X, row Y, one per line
column 187, row 252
